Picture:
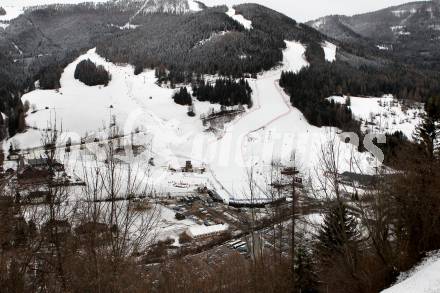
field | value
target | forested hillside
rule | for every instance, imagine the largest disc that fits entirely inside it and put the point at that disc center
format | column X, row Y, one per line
column 339, row 78
column 188, row 43
column 41, row 42
column 408, row 33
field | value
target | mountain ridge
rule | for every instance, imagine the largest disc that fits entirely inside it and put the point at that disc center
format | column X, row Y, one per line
column 164, row 6
column 409, row 32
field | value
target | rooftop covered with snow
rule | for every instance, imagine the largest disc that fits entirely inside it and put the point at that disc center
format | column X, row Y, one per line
column 200, row 231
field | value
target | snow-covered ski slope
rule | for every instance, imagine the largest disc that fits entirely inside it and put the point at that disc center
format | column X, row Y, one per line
column 271, row 129
column 229, row 167
column 239, row 18
column 135, row 100
column 329, row 51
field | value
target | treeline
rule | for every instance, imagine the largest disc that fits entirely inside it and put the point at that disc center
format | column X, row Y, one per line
column 226, row 92
column 315, row 107
column 15, row 112
column 87, row 72
column 12, row 87
column 340, row 78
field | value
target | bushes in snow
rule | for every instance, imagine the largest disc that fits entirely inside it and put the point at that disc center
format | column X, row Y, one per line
column 90, row 74
column 138, row 69
column 2, row 11
column 182, row 97
column 191, row 112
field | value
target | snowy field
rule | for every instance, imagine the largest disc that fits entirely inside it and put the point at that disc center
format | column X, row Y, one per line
column 385, row 115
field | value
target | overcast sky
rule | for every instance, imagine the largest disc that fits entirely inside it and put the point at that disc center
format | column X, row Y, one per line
column 304, row 10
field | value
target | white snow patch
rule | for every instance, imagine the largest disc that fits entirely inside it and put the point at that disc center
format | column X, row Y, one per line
column 12, row 11
column 423, row 278
column 127, row 26
column 397, row 28
column 383, row 47
column 294, row 56
column 17, row 48
column 403, row 12
column 169, row 227
column 239, row 18
column 213, row 36
column 179, row 7
column 318, row 23
column 400, row 30
column 330, row 51
column 194, row 6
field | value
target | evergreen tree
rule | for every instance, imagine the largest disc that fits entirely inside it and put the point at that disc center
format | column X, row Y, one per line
column 182, row 97
column 338, row 232
column 226, row 92
column 432, row 108
column 90, row 74
column 50, row 77
column 304, row 270
column 427, row 136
